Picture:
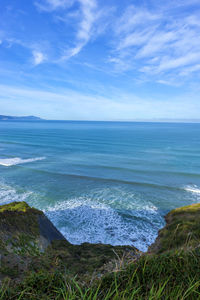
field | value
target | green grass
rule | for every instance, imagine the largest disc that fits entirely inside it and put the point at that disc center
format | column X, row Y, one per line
column 18, row 207
column 170, row 271
column 173, row 275
column 182, row 230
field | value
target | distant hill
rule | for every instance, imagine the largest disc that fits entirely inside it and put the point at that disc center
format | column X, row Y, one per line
column 13, row 118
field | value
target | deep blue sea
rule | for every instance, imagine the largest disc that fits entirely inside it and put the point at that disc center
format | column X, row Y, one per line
column 101, row 182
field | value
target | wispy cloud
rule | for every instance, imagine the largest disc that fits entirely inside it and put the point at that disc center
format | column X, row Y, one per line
column 51, row 5
column 190, row 70
column 88, row 15
column 38, row 57
column 158, row 41
column 147, row 40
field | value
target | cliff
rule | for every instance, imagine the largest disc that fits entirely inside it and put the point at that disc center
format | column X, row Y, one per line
column 182, row 230
column 30, row 242
column 38, row 263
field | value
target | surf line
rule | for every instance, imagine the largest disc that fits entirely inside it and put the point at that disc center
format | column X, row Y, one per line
column 8, row 162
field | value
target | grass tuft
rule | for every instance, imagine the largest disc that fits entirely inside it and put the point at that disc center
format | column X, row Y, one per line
column 173, row 275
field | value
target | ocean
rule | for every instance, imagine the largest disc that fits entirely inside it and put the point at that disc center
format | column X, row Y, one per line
column 101, row 182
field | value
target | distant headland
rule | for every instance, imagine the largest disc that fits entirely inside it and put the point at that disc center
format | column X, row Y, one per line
column 24, row 118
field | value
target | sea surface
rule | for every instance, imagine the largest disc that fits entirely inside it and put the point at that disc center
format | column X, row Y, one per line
column 101, row 182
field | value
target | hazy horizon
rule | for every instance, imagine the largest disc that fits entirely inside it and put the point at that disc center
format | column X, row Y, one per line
column 117, row 120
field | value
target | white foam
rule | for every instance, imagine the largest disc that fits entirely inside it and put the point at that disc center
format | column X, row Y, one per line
column 193, row 189
column 8, row 162
column 90, row 219
column 94, row 217
column 10, row 194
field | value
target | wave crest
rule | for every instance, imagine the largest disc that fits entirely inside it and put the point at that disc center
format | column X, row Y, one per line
column 193, row 189
column 8, row 162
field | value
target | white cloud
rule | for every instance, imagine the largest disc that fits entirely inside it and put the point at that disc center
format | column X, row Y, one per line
column 169, row 82
column 159, row 40
column 88, row 14
column 132, row 17
column 170, row 63
column 38, row 57
column 149, row 40
column 51, row 5
column 190, row 70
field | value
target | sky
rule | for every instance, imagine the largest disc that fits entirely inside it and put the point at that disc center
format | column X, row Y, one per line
column 100, row 60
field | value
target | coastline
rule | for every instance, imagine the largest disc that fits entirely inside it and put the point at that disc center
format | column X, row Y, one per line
column 30, row 244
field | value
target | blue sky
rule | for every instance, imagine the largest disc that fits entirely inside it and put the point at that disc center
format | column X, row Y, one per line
column 100, row 60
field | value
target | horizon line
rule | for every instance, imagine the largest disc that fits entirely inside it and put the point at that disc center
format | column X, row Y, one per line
column 154, row 120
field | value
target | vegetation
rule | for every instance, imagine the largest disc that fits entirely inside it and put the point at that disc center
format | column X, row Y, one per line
column 166, row 276
column 182, row 230
column 170, row 270
column 17, row 207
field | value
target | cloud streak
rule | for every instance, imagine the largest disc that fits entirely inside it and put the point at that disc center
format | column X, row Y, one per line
column 148, row 41
column 159, row 40
column 88, row 15
column 51, row 5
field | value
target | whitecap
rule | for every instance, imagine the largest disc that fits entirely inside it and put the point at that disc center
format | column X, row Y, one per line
column 9, row 194
column 83, row 219
column 8, row 162
column 193, row 189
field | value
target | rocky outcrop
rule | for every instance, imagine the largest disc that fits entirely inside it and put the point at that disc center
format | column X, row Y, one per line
column 23, row 227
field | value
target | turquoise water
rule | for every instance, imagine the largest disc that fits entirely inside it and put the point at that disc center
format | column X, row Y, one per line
column 100, row 181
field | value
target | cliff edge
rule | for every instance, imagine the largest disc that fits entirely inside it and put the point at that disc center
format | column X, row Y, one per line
column 182, row 230
column 38, row 263
column 30, row 242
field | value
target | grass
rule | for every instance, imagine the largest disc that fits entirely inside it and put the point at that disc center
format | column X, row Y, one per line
column 18, row 217
column 18, row 207
column 181, row 231
column 172, row 275
column 169, row 271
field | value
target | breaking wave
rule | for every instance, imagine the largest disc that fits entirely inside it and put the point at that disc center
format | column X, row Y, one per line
column 8, row 162
column 193, row 189
column 83, row 220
